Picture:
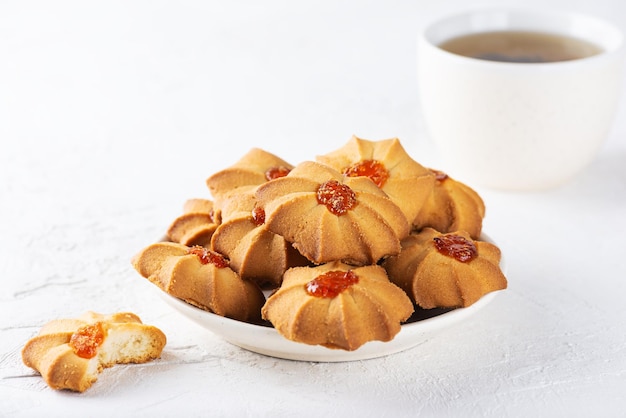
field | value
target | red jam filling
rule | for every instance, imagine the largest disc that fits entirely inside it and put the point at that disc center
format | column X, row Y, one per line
column 258, row 216
column 338, row 198
column 373, row 169
column 207, row 256
column 457, row 247
column 276, row 172
column 439, row 175
column 87, row 339
column 331, row 283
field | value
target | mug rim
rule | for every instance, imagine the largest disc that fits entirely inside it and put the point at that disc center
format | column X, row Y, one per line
column 479, row 20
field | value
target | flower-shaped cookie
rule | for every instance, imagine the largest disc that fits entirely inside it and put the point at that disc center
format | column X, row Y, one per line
column 196, row 225
column 200, row 277
column 406, row 182
column 452, row 206
column 71, row 353
column 256, row 253
column 446, row 270
column 255, row 167
column 329, row 216
column 338, row 306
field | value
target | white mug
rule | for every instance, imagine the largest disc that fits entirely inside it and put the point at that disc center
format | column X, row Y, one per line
column 518, row 126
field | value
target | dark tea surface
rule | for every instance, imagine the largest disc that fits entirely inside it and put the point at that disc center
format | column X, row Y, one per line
column 520, row 46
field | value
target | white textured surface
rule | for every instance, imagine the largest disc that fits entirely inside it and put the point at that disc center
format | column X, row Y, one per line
column 113, row 113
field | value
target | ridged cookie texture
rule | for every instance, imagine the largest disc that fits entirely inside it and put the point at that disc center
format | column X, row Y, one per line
column 389, row 166
column 71, row 353
column 329, row 216
column 366, row 306
column 446, row 270
column 200, row 277
column 451, row 206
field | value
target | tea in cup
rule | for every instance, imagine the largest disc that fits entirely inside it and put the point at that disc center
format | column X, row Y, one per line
column 519, row 99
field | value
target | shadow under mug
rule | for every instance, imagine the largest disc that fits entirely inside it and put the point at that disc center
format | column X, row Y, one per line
column 518, row 126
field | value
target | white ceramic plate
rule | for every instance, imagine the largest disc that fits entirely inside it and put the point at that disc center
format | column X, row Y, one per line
column 266, row 340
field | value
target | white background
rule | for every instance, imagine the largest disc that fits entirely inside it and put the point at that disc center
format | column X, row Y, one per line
column 112, row 114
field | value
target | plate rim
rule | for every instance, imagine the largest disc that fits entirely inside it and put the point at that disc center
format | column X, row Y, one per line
column 228, row 329
column 291, row 350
